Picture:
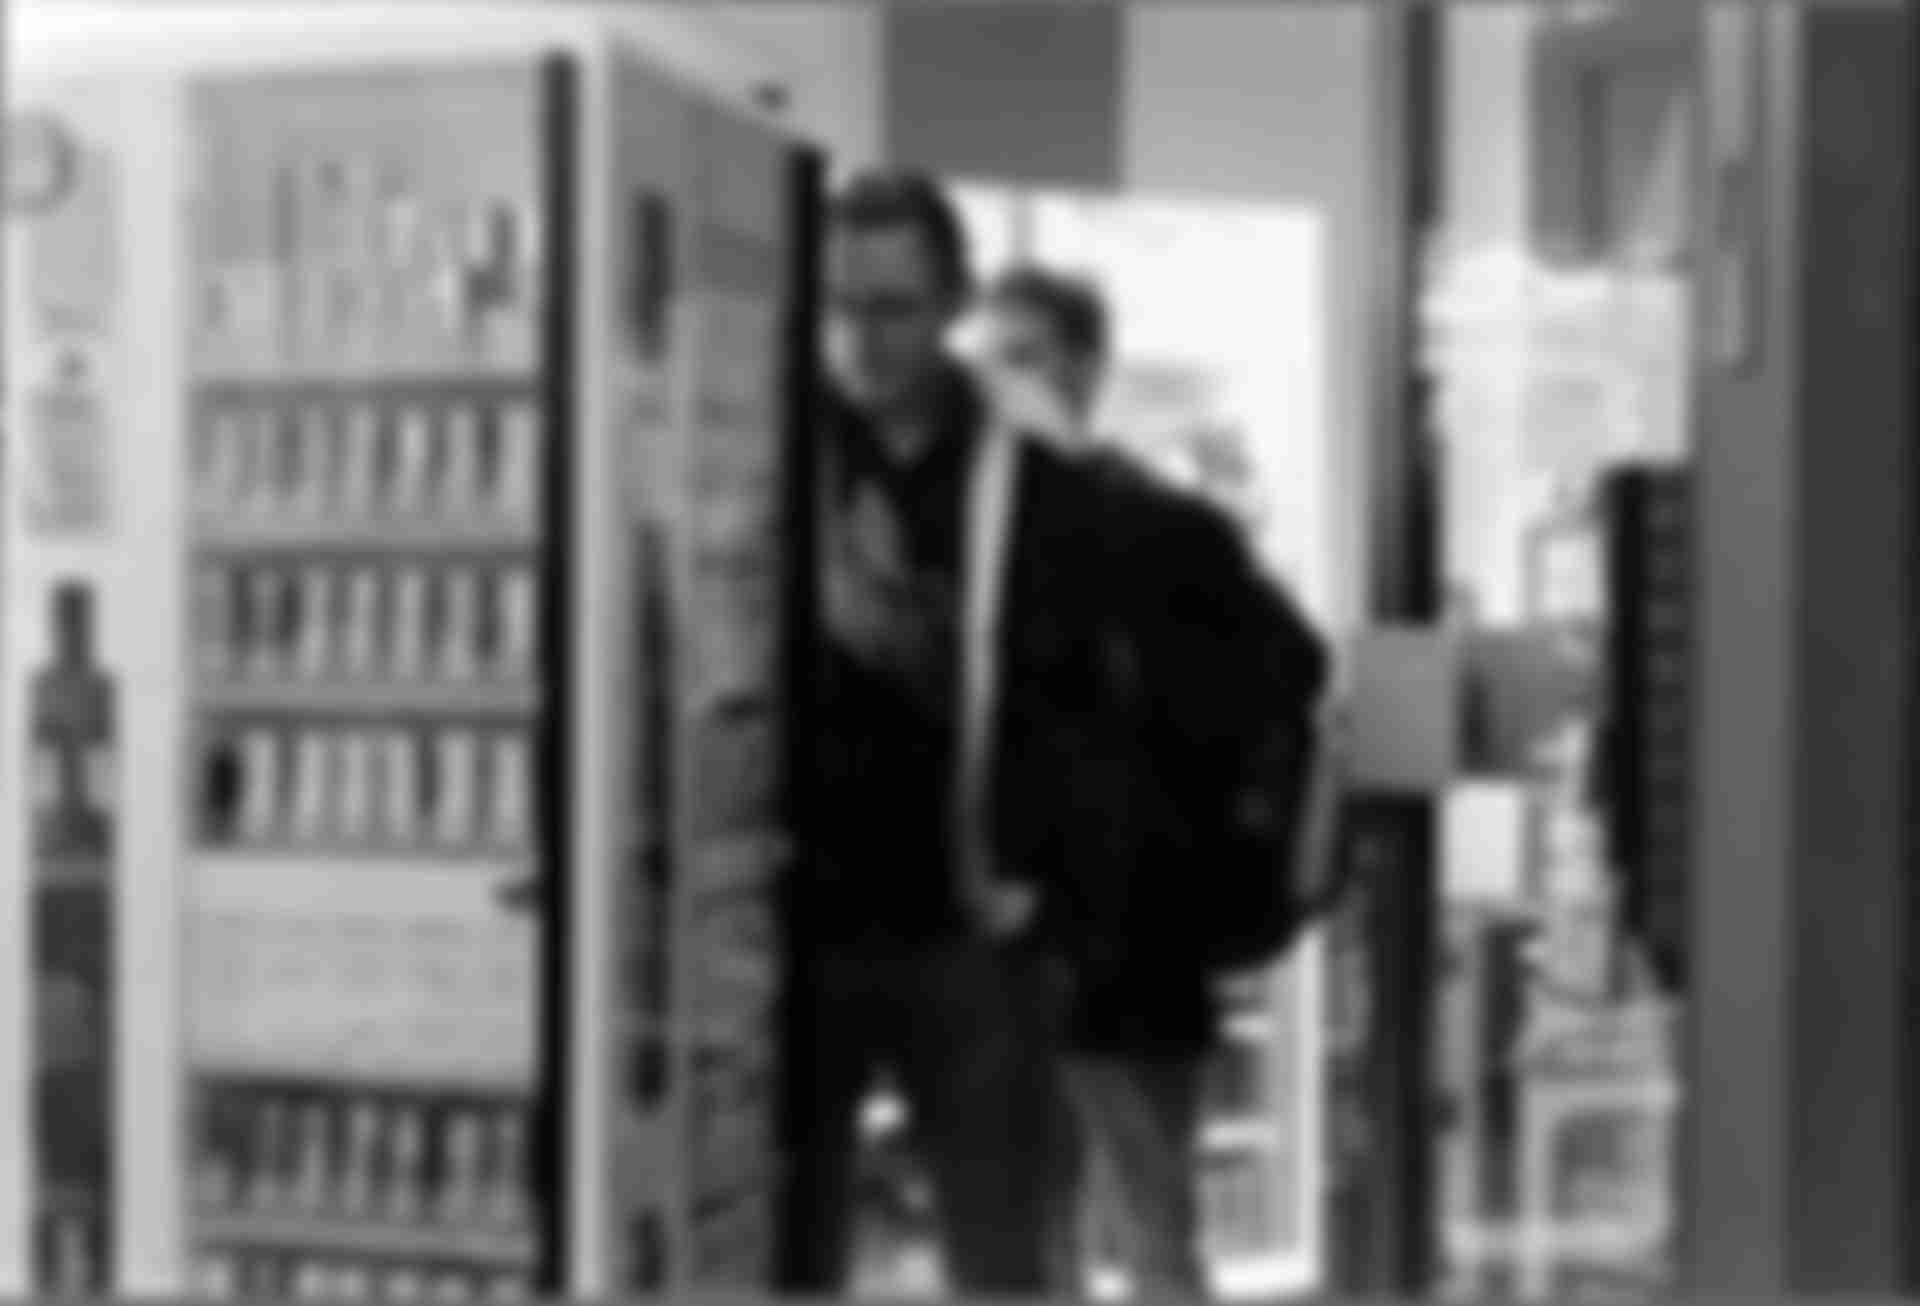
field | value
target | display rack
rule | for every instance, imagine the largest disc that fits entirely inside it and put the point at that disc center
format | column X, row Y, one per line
column 370, row 425
column 456, row 868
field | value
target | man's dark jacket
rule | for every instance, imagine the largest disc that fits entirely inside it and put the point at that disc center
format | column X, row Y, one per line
column 1127, row 613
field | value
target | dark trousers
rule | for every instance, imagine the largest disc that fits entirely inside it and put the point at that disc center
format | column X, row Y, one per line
column 970, row 1033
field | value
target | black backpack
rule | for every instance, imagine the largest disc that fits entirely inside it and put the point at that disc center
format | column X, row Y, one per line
column 1233, row 675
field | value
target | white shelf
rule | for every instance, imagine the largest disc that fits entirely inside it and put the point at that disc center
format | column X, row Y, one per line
column 380, row 1238
column 290, row 531
column 370, row 374
column 478, row 699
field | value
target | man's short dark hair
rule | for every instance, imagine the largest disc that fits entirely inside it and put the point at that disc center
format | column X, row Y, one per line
column 875, row 200
column 1075, row 306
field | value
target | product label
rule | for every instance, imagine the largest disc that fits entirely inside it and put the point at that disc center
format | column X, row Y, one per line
column 65, row 481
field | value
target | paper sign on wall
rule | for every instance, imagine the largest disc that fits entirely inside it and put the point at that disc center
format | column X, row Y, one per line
column 64, row 442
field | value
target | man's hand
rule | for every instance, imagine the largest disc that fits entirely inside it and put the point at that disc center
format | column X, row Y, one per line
column 878, row 613
column 1007, row 910
column 864, row 582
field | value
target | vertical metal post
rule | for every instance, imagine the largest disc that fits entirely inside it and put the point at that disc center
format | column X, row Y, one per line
column 1383, row 1218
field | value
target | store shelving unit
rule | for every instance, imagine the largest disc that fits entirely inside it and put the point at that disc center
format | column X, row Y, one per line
column 458, row 613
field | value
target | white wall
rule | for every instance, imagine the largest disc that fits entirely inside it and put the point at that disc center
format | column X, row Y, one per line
column 1486, row 74
column 1278, row 104
column 86, row 36
column 828, row 53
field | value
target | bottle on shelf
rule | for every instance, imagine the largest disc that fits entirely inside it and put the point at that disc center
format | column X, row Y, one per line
column 460, row 466
column 313, row 785
column 267, row 1189
column 289, row 460
column 319, row 624
column 315, row 1172
column 406, row 653
column 510, row 1177
column 266, row 1277
column 255, row 447
column 357, row 1174
column 449, row 287
column 413, row 469
column 406, row 1166
column 518, row 623
column 453, row 1288
column 219, row 475
column 310, row 1281
column 217, row 1276
column 400, row 218
column 489, row 461
column 457, row 768
column 353, row 817
column 74, row 725
column 359, row 462
column 462, row 1141
column 403, row 1285
column 511, row 793
column 266, row 591
column 519, row 473
column 213, row 1176
column 400, row 786
column 314, row 454
column 215, row 623
column 504, row 1288
column 459, row 620
column 360, row 627
column 353, row 1283
column 260, row 785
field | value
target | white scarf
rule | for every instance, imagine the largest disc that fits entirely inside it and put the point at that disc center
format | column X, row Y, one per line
column 1000, row 908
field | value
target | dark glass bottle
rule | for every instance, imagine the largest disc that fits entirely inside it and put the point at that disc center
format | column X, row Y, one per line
column 74, row 727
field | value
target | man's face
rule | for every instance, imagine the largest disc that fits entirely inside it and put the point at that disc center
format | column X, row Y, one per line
column 1024, row 344
column 887, row 314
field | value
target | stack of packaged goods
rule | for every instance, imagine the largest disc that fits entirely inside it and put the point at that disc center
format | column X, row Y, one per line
column 367, row 443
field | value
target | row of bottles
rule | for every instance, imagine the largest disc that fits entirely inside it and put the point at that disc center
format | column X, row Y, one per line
column 458, row 460
column 341, row 786
column 399, row 1161
column 282, row 1276
column 73, row 705
column 70, row 964
column 333, row 623
column 368, row 263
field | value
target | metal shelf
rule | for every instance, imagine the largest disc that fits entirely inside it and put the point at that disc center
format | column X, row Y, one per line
column 285, row 531
column 480, row 698
column 310, row 1231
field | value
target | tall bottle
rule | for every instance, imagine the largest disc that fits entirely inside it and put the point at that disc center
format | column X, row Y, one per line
column 74, row 712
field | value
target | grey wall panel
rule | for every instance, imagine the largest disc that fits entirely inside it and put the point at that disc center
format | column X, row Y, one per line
column 995, row 89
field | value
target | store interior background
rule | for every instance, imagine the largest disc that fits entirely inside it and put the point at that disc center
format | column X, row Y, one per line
column 1561, row 323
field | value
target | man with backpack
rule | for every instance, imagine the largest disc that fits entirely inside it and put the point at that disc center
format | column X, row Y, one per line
column 970, row 788
column 1218, row 685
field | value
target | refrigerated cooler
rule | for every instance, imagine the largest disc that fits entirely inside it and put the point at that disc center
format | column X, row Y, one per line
column 397, row 640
